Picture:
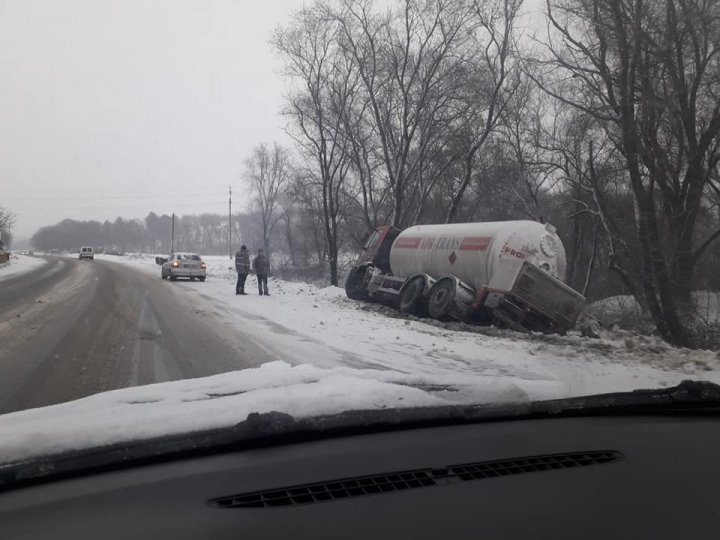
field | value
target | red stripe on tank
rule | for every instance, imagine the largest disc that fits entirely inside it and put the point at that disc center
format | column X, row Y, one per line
column 475, row 243
column 408, row 243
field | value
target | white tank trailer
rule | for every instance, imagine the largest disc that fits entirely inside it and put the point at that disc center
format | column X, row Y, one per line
column 509, row 273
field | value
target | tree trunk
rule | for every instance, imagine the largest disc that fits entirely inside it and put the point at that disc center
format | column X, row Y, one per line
column 657, row 285
column 467, row 174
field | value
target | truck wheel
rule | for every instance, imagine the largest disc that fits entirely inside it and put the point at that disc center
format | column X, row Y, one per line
column 442, row 299
column 412, row 299
column 355, row 284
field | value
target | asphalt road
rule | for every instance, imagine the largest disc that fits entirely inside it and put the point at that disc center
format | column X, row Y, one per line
column 74, row 328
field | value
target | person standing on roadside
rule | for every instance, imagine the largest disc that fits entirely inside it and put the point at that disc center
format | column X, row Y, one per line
column 261, row 265
column 242, row 267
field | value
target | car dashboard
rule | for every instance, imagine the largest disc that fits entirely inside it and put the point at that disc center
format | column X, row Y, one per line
column 580, row 477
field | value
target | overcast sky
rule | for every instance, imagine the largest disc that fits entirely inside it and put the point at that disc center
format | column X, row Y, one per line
column 120, row 107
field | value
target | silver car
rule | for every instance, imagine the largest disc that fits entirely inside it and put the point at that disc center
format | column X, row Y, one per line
column 184, row 265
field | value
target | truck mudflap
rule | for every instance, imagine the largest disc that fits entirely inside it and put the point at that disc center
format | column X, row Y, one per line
column 539, row 302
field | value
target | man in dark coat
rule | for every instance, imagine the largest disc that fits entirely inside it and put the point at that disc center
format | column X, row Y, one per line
column 242, row 267
column 261, row 265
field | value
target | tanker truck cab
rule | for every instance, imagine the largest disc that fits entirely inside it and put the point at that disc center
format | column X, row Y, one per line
column 376, row 250
column 374, row 259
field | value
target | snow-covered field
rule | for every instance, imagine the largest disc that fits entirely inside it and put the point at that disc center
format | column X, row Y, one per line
column 615, row 309
column 304, row 324
column 19, row 264
column 334, row 354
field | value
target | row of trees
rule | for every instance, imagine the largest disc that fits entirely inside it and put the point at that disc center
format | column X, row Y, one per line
column 296, row 253
column 206, row 233
column 605, row 123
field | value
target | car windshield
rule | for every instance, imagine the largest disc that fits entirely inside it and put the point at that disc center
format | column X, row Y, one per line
column 540, row 193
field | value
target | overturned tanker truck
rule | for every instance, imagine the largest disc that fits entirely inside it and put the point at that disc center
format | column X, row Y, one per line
column 507, row 273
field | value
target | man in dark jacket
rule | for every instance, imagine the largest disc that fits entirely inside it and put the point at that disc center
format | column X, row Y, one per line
column 242, row 267
column 261, row 265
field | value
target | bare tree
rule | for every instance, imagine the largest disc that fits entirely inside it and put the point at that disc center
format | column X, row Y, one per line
column 326, row 85
column 647, row 72
column 406, row 59
column 498, row 77
column 7, row 220
column 267, row 171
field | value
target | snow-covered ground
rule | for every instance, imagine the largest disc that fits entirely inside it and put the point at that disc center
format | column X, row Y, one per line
column 335, row 354
column 304, row 324
column 19, row 264
column 624, row 308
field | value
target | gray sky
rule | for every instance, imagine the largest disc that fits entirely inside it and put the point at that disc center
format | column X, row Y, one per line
column 120, row 107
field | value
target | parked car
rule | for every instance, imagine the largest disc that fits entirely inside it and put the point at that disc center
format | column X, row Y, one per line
column 87, row 253
column 185, row 265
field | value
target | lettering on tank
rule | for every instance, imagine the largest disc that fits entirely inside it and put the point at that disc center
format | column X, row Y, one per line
column 442, row 242
column 524, row 252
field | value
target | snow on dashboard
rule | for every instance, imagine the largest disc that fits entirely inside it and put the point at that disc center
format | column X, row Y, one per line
column 224, row 400
column 19, row 264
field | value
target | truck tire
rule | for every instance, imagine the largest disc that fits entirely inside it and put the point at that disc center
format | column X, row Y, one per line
column 412, row 298
column 355, row 286
column 442, row 299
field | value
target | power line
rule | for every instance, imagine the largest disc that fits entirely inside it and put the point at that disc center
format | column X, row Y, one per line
column 68, row 208
column 102, row 197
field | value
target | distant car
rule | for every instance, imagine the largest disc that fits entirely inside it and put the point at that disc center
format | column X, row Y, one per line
column 87, row 253
column 185, row 265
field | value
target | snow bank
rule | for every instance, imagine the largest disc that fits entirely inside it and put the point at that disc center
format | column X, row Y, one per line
column 303, row 323
column 625, row 309
column 225, row 400
column 19, row 264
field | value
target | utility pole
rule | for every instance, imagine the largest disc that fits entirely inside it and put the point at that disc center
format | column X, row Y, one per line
column 172, row 236
column 230, row 221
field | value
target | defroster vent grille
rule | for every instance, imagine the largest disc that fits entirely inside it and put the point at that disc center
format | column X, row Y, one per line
column 398, row 481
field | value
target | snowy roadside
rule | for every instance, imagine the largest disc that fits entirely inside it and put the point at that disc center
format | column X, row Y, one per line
column 304, row 324
column 19, row 264
column 333, row 355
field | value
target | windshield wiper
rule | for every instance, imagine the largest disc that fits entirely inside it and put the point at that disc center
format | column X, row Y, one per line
column 688, row 396
column 274, row 428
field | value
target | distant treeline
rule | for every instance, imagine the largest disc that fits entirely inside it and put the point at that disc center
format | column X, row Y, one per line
column 206, row 233
column 298, row 248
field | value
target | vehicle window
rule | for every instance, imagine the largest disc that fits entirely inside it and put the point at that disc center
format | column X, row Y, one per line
column 371, row 241
column 548, row 241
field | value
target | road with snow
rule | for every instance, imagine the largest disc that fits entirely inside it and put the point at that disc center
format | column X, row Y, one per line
column 71, row 328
